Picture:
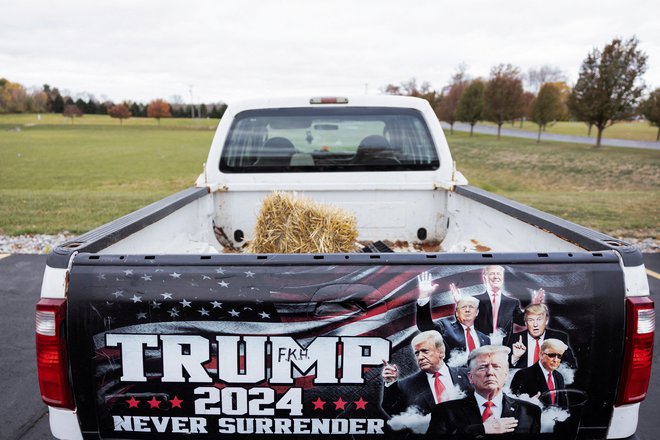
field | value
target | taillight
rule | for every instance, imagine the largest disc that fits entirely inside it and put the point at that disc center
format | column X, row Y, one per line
column 638, row 351
column 52, row 361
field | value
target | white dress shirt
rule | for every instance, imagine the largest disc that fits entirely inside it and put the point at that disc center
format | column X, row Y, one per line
column 473, row 332
column 496, row 408
column 498, row 299
column 531, row 346
column 445, row 378
column 545, row 375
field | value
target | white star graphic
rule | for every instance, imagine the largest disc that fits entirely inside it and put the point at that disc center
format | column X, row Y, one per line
column 118, row 293
column 185, row 303
column 203, row 312
column 146, row 277
column 141, row 315
column 264, row 315
column 223, row 284
column 100, row 276
column 174, row 312
column 128, row 272
column 206, row 277
column 216, row 304
column 247, row 308
column 220, row 270
column 155, row 305
column 234, row 313
column 249, row 274
column 175, row 275
column 136, row 299
column 166, row 295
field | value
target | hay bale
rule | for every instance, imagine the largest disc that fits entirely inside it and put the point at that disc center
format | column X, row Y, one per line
column 289, row 223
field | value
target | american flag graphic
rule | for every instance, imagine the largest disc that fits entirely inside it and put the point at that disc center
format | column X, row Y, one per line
column 302, row 302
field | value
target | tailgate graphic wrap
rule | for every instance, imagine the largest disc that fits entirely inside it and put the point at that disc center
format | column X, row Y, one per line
column 332, row 349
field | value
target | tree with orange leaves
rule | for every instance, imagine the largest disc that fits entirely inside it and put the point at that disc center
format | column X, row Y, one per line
column 158, row 108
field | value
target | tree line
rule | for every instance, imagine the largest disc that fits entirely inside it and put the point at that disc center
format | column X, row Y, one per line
column 609, row 89
column 15, row 98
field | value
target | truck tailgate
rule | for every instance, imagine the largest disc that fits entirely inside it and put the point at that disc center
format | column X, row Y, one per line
column 295, row 345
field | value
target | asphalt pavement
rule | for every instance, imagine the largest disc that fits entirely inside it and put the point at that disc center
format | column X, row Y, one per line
column 487, row 129
column 22, row 414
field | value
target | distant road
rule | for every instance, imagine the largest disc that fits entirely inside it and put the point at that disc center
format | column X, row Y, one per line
column 486, row 129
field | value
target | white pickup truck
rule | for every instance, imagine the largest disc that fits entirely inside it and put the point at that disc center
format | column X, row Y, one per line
column 154, row 326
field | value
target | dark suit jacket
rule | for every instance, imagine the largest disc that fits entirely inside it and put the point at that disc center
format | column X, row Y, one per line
column 531, row 380
column 568, row 358
column 509, row 313
column 415, row 390
column 462, row 418
column 451, row 330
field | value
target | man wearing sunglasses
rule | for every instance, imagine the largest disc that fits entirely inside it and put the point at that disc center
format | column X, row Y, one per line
column 543, row 376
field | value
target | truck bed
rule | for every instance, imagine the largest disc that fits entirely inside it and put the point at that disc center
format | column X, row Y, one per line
column 467, row 219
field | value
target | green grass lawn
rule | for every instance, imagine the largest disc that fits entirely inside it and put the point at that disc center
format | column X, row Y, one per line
column 614, row 190
column 56, row 176
column 631, row 130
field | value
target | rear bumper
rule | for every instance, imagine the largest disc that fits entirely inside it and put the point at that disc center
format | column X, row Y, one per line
column 64, row 424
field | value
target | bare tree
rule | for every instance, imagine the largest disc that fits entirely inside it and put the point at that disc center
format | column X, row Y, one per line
column 410, row 88
column 38, row 101
column 503, row 95
column 119, row 111
column 546, row 107
column 537, row 77
column 471, row 104
column 650, row 109
column 158, row 108
column 610, row 85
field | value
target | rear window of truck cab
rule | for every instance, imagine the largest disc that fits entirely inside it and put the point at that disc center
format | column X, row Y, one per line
column 328, row 139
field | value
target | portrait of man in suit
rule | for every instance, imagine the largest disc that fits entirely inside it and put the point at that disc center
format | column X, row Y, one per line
column 526, row 346
column 498, row 310
column 543, row 375
column 488, row 410
column 434, row 382
column 458, row 332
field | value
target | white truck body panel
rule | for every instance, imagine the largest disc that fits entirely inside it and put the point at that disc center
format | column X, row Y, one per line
column 388, row 206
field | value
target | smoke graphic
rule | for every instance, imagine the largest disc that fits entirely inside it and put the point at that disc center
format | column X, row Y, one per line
column 497, row 338
column 568, row 373
column 552, row 415
column 458, row 358
column 412, row 419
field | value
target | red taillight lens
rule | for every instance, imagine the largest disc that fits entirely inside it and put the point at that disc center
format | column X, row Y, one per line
column 52, row 361
column 638, row 355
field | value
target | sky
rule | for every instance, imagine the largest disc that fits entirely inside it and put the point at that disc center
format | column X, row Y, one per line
column 212, row 51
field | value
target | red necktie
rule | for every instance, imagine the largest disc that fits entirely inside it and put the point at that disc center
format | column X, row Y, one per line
column 537, row 350
column 488, row 412
column 494, row 312
column 470, row 341
column 551, row 387
column 439, row 387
